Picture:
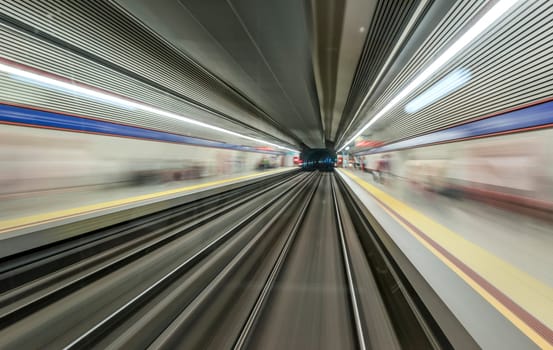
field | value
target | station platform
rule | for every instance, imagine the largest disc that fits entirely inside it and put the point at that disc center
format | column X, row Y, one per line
column 492, row 268
column 26, row 213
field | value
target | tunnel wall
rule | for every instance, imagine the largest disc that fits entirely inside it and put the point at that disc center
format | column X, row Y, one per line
column 517, row 165
column 35, row 159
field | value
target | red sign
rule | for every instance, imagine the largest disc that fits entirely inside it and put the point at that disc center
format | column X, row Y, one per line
column 368, row 143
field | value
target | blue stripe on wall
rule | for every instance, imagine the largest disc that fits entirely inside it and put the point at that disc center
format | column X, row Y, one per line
column 529, row 117
column 36, row 118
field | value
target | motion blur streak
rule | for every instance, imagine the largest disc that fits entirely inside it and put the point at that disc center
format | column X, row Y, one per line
column 118, row 101
column 40, row 159
column 486, row 21
column 175, row 174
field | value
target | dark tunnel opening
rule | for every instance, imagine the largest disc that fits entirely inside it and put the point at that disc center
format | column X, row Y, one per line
column 322, row 159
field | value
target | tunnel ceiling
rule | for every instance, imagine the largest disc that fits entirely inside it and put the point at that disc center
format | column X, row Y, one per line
column 298, row 73
column 260, row 48
column 306, row 64
column 507, row 66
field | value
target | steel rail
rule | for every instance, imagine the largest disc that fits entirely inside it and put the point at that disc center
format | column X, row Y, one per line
column 201, row 299
column 255, row 313
column 18, row 312
column 360, row 333
column 12, row 264
column 89, row 336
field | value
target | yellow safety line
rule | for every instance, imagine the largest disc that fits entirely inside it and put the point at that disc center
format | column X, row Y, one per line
column 32, row 220
column 529, row 293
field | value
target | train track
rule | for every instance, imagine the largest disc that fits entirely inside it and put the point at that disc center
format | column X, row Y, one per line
column 273, row 266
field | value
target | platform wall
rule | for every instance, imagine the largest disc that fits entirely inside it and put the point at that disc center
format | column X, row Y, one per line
column 518, row 164
column 33, row 159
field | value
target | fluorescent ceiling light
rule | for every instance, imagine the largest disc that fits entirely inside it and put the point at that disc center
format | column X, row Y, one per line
column 397, row 47
column 448, row 84
column 500, row 8
column 116, row 100
column 74, row 92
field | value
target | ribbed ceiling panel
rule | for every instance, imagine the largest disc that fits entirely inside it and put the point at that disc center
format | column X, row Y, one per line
column 510, row 65
column 386, row 27
column 102, row 32
column 30, row 51
column 451, row 25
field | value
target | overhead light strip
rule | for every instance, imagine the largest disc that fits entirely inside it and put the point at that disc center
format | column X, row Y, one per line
column 489, row 18
column 409, row 27
column 445, row 86
column 120, row 101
